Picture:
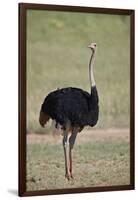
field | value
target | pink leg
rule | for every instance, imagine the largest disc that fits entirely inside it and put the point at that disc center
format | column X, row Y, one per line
column 70, row 163
column 71, row 144
column 65, row 137
column 67, row 175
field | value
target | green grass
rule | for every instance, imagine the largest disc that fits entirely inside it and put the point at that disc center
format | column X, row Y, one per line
column 57, row 56
column 96, row 163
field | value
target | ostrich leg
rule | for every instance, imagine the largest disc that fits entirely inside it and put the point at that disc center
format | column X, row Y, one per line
column 71, row 144
column 65, row 138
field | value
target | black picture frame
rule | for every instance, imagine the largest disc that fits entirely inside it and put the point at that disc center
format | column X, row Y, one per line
column 22, row 97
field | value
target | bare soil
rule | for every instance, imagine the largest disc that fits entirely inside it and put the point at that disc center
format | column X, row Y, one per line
column 85, row 136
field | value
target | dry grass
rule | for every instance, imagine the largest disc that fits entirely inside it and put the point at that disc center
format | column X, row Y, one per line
column 101, row 158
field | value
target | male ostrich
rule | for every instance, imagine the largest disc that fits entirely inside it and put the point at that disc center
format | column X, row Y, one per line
column 72, row 109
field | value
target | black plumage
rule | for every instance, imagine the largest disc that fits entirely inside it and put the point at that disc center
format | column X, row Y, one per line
column 72, row 105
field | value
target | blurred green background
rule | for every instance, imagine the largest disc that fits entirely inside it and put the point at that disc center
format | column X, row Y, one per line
column 57, row 57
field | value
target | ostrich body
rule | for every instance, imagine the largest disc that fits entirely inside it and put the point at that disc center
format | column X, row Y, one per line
column 72, row 109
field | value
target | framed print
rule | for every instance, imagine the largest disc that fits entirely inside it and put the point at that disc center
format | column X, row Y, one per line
column 76, row 99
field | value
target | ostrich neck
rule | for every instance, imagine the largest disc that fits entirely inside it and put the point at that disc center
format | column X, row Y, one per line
column 91, row 75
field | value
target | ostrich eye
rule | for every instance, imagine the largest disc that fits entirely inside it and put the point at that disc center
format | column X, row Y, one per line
column 95, row 45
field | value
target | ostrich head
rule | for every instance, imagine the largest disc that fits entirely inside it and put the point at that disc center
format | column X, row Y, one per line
column 92, row 46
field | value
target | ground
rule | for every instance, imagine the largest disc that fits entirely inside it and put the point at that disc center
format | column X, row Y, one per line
column 101, row 158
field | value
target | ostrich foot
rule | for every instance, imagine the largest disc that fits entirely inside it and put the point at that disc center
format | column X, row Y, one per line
column 71, row 176
column 67, row 176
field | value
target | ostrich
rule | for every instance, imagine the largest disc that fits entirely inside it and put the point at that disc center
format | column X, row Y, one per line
column 72, row 109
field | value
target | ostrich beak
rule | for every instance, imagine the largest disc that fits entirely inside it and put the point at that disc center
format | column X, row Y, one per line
column 91, row 47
